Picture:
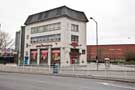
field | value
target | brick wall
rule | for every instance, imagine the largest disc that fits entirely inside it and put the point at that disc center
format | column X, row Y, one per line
column 114, row 52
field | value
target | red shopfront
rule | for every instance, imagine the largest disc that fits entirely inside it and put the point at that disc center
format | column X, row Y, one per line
column 55, row 56
column 74, row 56
column 43, row 56
column 33, row 56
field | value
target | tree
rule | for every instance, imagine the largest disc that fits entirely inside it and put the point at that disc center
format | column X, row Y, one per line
column 5, row 40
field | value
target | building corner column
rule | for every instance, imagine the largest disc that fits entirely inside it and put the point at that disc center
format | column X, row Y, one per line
column 49, row 55
column 38, row 56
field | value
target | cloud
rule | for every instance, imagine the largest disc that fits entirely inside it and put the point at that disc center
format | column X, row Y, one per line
column 116, row 18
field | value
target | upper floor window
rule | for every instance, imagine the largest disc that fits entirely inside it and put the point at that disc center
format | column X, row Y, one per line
column 27, row 45
column 74, row 28
column 57, row 26
column 45, row 28
column 83, row 51
column 46, row 38
column 27, row 36
column 34, row 30
column 74, row 38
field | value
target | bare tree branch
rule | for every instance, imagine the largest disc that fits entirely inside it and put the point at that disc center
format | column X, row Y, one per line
column 5, row 40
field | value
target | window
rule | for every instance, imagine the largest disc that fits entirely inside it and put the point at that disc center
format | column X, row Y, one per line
column 74, row 38
column 40, row 29
column 74, row 28
column 34, row 30
column 31, row 41
column 57, row 26
column 51, row 27
column 27, row 36
column 26, row 45
column 57, row 37
column 83, row 51
column 45, row 28
column 46, row 38
column 39, row 40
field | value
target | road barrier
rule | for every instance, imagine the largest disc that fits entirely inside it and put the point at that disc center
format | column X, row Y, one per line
column 122, row 72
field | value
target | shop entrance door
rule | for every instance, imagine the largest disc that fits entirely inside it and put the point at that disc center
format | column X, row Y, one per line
column 74, row 56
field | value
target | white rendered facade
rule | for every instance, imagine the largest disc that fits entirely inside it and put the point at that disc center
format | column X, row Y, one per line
column 64, row 45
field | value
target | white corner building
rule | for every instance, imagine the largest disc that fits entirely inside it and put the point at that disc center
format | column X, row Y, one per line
column 56, row 36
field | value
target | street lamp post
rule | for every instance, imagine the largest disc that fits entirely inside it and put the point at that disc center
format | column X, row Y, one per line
column 97, row 48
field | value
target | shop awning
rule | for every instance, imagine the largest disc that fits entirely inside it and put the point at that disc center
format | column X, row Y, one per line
column 55, row 51
column 44, row 51
column 33, row 52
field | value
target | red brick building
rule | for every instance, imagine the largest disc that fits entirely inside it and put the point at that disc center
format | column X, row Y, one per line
column 114, row 52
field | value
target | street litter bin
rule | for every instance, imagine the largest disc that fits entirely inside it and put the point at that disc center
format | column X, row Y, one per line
column 55, row 68
column 107, row 63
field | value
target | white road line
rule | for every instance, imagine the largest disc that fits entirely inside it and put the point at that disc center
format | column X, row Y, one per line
column 119, row 86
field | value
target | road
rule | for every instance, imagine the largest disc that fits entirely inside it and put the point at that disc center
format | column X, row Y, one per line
column 18, row 81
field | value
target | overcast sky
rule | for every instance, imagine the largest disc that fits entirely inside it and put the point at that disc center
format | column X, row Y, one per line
column 116, row 18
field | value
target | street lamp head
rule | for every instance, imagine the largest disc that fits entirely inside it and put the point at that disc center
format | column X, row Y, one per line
column 91, row 18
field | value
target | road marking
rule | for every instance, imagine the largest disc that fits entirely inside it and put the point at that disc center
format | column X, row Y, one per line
column 119, row 86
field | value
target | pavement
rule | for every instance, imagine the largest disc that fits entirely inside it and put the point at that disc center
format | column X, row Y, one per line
column 17, row 81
